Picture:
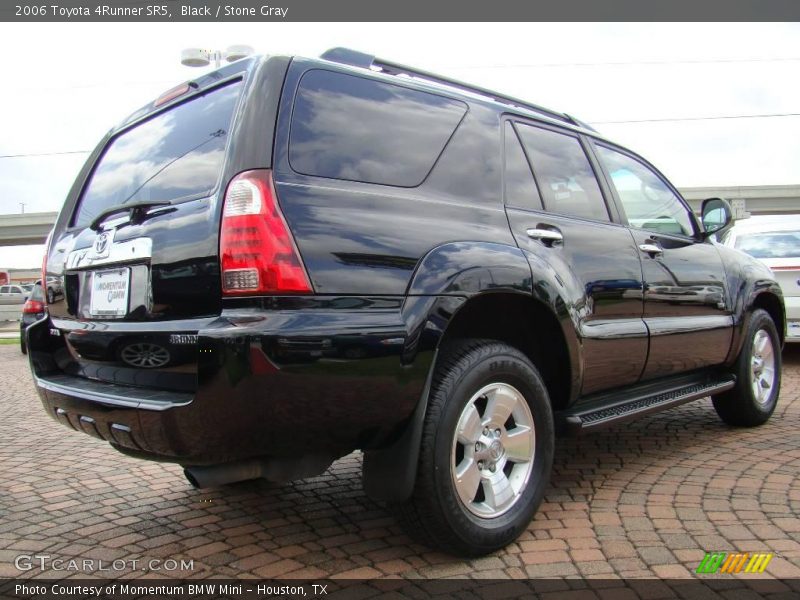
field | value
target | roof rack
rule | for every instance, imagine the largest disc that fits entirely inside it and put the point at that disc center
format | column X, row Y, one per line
column 367, row 61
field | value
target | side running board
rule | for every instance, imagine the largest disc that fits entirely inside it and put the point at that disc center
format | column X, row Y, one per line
column 627, row 405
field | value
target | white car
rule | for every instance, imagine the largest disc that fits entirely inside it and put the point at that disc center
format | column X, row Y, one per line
column 13, row 294
column 775, row 241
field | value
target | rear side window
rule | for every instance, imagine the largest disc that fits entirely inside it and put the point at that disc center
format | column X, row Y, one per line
column 520, row 188
column 565, row 176
column 176, row 155
column 359, row 129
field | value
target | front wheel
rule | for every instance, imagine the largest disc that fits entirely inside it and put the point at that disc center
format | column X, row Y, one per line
column 486, row 451
column 758, row 376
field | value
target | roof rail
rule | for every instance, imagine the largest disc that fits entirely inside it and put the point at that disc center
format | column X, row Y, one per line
column 367, row 61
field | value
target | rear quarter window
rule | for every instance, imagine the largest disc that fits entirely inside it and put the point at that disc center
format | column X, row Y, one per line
column 175, row 155
column 358, row 129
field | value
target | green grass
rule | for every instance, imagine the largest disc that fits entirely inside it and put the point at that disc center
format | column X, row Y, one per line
column 8, row 341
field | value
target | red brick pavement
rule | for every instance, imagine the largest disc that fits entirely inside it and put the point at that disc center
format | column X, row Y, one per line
column 640, row 500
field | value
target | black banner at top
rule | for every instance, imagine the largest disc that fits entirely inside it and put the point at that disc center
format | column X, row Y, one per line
column 405, row 10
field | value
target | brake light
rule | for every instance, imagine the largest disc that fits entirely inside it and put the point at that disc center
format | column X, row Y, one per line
column 31, row 307
column 257, row 252
column 173, row 93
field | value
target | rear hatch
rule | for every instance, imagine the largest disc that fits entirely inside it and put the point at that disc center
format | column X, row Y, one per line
column 134, row 266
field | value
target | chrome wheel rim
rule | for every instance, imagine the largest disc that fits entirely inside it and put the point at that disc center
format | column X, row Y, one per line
column 493, row 450
column 762, row 367
column 145, row 355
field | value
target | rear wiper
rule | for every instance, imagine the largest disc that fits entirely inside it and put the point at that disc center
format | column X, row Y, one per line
column 136, row 210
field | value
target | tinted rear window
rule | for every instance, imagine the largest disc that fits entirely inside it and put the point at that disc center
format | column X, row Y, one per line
column 358, row 129
column 176, row 155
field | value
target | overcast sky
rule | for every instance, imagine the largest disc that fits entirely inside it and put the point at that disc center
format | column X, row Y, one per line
column 68, row 83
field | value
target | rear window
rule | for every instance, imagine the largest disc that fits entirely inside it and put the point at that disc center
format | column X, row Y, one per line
column 775, row 244
column 176, row 155
column 358, row 129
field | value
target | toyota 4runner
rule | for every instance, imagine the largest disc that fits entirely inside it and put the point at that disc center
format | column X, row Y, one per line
column 287, row 259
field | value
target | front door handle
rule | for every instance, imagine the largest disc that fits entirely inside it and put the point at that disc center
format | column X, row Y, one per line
column 547, row 236
column 651, row 249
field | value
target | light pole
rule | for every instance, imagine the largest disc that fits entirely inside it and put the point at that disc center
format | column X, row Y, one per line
column 199, row 57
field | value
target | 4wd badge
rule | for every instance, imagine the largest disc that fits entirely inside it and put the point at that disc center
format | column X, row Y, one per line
column 102, row 244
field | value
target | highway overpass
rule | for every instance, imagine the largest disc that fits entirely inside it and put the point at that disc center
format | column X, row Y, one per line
column 28, row 228
column 32, row 228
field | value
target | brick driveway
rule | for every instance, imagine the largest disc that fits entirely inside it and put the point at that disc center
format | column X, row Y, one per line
column 641, row 500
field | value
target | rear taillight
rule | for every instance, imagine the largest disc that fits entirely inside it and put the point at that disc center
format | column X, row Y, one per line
column 32, row 307
column 257, row 251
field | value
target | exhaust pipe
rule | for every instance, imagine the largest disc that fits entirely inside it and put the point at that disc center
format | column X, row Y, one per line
column 217, row 475
column 276, row 470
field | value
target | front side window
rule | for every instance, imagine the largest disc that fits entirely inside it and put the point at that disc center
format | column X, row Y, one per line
column 358, row 129
column 648, row 202
column 565, row 176
column 178, row 154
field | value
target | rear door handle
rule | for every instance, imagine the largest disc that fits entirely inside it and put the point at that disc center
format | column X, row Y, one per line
column 548, row 236
column 651, row 249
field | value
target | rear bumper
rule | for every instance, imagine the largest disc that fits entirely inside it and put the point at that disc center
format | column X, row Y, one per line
column 253, row 398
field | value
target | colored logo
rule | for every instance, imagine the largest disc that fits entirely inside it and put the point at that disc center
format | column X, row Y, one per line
column 737, row 562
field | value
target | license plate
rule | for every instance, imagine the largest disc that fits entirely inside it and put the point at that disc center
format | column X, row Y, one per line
column 793, row 329
column 109, row 293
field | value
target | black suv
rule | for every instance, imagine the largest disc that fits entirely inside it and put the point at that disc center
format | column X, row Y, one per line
column 288, row 259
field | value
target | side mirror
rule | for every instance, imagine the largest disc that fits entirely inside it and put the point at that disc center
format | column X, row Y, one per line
column 717, row 216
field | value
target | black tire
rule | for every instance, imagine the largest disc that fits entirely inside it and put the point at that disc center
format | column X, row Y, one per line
column 23, row 348
column 51, row 296
column 435, row 514
column 740, row 406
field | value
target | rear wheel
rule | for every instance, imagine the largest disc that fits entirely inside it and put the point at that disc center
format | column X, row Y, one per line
column 758, row 376
column 486, row 451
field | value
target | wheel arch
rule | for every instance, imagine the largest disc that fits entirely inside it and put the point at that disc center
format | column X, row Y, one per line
column 481, row 290
column 525, row 323
column 773, row 304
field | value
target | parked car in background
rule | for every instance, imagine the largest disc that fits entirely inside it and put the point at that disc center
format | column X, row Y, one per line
column 33, row 310
column 12, row 294
column 775, row 241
